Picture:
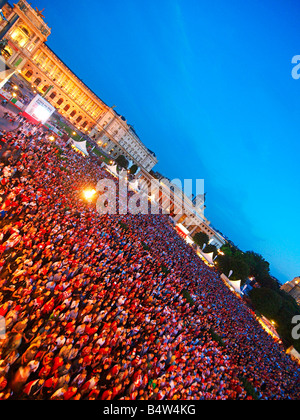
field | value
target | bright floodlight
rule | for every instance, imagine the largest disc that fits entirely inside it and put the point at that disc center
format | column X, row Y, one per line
column 89, row 194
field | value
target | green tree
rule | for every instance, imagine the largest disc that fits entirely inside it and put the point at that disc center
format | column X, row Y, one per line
column 223, row 264
column 266, row 301
column 211, row 249
column 201, row 238
column 279, row 307
column 227, row 249
column 236, row 263
column 267, row 281
column 259, row 267
column 239, row 267
column 133, row 169
column 122, row 162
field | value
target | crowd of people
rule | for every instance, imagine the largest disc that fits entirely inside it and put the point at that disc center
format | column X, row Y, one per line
column 94, row 304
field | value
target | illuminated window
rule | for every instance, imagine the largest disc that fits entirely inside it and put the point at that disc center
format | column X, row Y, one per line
column 50, row 67
column 40, row 58
column 21, row 36
column 7, row 52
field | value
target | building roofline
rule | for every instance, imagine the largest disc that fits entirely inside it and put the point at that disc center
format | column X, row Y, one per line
column 77, row 77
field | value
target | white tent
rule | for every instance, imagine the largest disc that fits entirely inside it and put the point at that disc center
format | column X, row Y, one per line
column 209, row 257
column 5, row 73
column 81, row 146
column 235, row 284
column 112, row 170
column 293, row 353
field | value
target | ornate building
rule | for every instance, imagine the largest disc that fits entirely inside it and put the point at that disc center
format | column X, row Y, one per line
column 48, row 75
column 116, row 137
column 185, row 211
column 27, row 33
column 293, row 289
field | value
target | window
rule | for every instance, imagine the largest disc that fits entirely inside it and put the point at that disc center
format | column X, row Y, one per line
column 40, row 58
column 29, row 74
column 73, row 113
column 79, row 119
column 8, row 52
column 25, row 30
column 37, row 81
column 53, row 95
column 67, row 107
column 60, row 101
column 50, row 67
column 20, row 36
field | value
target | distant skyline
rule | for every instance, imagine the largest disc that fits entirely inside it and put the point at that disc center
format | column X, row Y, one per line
column 208, row 87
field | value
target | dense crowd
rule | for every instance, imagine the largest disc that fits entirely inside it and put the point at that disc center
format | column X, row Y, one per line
column 95, row 309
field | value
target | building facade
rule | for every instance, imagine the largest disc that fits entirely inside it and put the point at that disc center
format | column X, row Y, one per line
column 293, row 289
column 188, row 212
column 26, row 52
column 116, row 137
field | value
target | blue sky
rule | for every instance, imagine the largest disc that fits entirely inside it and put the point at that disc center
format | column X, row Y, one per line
column 208, row 88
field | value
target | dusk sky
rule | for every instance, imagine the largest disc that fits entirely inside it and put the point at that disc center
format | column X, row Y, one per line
column 207, row 86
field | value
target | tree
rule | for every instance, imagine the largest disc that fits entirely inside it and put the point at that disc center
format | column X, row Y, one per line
column 259, row 267
column 133, row 169
column 226, row 263
column 268, row 281
column 201, row 238
column 266, row 301
column 239, row 267
column 227, row 249
column 122, row 162
column 211, row 249
column 280, row 308
column 223, row 264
